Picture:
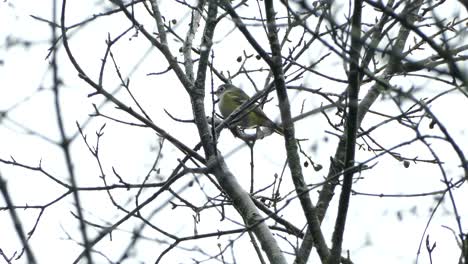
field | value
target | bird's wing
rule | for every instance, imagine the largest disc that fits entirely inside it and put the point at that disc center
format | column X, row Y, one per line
column 239, row 98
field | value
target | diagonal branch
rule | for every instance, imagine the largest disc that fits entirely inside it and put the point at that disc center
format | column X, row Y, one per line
column 290, row 141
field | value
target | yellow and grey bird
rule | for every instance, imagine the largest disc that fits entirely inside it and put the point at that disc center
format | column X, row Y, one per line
column 231, row 97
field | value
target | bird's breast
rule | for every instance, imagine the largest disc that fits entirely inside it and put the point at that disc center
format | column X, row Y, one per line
column 226, row 106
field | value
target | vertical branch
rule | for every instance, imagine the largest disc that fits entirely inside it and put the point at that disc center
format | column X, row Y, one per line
column 188, row 43
column 252, row 165
column 197, row 93
column 65, row 142
column 337, row 162
column 290, row 141
column 350, row 132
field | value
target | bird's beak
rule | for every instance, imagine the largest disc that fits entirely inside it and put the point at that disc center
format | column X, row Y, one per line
column 215, row 92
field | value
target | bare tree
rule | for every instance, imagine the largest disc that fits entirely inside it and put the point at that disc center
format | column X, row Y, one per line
column 137, row 180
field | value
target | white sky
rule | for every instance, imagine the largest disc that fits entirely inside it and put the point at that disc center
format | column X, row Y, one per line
column 374, row 231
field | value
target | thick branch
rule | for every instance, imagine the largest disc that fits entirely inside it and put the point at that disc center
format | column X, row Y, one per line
column 226, row 179
column 351, row 131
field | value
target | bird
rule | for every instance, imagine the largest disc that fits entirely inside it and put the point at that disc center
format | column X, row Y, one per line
column 232, row 97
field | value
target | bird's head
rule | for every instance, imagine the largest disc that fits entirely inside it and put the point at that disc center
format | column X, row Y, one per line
column 222, row 88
